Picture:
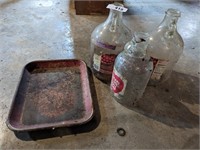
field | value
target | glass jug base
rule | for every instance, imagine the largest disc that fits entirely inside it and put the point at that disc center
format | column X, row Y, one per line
column 102, row 77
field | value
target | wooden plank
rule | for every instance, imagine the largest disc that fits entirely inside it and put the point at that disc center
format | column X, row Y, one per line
column 93, row 7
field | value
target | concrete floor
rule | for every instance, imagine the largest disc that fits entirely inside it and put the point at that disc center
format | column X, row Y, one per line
column 166, row 117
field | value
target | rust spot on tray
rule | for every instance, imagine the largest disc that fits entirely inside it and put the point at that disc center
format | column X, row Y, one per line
column 53, row 95
column 51, row 104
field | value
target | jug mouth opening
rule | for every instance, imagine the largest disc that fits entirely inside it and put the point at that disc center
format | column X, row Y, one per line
column 140, row 37
column 118, row 4
column 173, row 12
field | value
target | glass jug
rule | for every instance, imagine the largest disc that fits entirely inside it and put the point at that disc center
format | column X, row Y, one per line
column 132, row 71
column 107, row 41
column 165, row 47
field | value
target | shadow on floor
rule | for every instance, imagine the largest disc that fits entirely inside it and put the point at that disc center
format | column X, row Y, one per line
column 7, row 3
column 193, row 2
column 59, row 132
column 192, row 143
column 174, row 103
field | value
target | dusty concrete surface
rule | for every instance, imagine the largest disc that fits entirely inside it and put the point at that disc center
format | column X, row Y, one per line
column 166, row 117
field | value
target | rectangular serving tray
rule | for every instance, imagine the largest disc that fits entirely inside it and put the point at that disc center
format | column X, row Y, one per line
column 51, row 94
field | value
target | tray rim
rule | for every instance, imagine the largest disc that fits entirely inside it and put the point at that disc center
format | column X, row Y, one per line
column 47, row 125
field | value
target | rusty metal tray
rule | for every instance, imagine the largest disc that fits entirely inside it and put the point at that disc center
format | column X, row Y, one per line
column 51, row 94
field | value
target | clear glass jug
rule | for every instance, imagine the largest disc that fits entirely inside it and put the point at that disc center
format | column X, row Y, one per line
column 132, row 71
column 165, row 47
column 107, row 41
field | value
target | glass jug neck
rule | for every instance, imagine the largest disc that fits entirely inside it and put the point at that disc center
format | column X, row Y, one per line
column 114, row 15
column 114, row 19
column 134, row 50
column 170, row 22
column 138, row 45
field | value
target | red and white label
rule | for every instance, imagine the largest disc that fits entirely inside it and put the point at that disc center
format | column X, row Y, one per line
column 159, row 67
column 104, row 63
column 118, row 84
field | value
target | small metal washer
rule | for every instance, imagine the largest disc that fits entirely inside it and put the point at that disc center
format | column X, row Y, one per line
column 121, row 132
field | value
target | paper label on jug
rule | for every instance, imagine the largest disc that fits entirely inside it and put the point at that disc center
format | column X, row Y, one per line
column 118, row 84
column 104, row 63
column 118, row 8
column 159, row 67
column 96, row 62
